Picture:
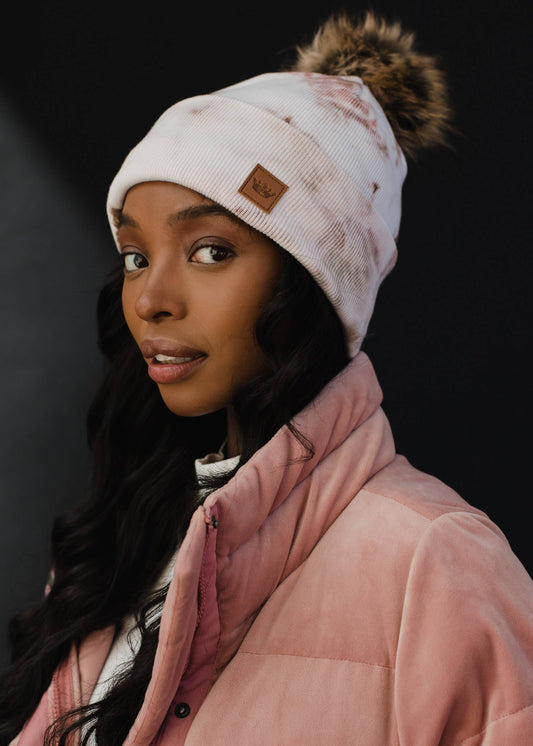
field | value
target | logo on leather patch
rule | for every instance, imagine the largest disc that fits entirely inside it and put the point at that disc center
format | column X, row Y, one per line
column 262, row 188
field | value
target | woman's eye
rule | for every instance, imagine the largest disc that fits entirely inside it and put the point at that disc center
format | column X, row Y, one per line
column 211, row 254
column 133, row 262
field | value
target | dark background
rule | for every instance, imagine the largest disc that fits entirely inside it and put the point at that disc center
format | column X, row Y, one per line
column 79, row 86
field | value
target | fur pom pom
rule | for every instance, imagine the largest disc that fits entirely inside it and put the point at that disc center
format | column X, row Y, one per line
column 409, row 86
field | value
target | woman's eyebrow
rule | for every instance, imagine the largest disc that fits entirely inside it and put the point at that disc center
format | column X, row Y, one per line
column 121, row 218
column 200, row 211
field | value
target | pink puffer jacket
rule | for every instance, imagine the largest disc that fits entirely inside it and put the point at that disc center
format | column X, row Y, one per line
column 346, row 599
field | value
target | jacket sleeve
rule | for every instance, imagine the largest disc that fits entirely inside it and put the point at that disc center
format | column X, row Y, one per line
column 464, row 672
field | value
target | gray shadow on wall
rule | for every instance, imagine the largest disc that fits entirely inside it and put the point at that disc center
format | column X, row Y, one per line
column 54, row 260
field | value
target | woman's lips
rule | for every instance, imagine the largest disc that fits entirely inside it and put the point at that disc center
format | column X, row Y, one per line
column 173, row 372
column 169, row 361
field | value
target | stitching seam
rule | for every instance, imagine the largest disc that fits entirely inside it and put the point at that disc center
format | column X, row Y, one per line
column 319, row 658
column 502, row 717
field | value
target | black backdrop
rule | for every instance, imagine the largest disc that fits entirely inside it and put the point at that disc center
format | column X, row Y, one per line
column 81, row 84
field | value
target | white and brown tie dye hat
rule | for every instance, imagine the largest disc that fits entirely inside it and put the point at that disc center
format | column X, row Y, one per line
column 313, row 157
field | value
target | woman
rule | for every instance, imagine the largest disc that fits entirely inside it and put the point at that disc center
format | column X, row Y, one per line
column 301, row 583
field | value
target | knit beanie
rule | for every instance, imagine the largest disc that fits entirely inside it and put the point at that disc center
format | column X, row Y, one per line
column 314, row 157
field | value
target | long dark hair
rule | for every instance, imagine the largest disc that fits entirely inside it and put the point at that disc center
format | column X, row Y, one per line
column 143, row 485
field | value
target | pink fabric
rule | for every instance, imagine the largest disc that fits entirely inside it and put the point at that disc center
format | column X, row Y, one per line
column 345, row 599
column 71, row 686
column 180, row 619
column 33, row 732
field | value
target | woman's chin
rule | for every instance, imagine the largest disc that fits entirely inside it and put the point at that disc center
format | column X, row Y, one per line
column 188, row 406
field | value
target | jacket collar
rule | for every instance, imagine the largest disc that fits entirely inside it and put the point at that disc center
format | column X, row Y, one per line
column 276, row 508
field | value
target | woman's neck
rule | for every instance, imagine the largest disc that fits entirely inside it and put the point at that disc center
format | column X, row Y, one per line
column 233, row 443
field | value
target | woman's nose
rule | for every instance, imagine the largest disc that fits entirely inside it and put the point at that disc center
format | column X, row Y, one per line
column 161, row 295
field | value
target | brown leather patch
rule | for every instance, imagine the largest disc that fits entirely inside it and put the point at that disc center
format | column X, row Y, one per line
column 262, row 188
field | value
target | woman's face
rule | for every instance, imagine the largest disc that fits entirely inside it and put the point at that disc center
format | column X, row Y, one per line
column 196, row 279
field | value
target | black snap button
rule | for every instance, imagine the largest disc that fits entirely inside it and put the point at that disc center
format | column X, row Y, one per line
column 182, row 710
